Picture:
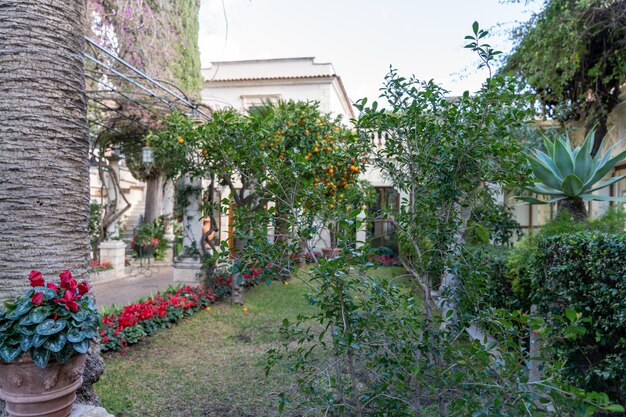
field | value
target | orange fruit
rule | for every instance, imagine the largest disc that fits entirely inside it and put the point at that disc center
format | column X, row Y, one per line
column 280, row 156
column 331, row 206
column 279, row 133
column 181, row 140
column 245, row 309
column 316, row 150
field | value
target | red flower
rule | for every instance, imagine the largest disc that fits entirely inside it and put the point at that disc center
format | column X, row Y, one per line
column 36, row 279
column 83, row 287
column 68, row 300
column 67, row 281
column 229, row 281
column 52, row 286
column 37, row 298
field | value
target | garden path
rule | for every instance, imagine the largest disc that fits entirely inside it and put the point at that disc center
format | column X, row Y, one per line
column 126, row 290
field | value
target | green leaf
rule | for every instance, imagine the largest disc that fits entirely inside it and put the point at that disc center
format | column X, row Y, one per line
column 75, row 335
column 4, row 326
column 80, row 315
column 531, row 200
column 572, row 186
column 26, row 321
column 22, row 308
column 544, row 174
column 549, row 145
column 55, row 343
column 37, row 315
column 81, row 347
column 607, row 183
column 604, row 168
column 583, row 164
column 9, row 353
column 26, row 343
column 24, row 330
column 563, row 158
column 66, row 353
column 41, row 357
column 615, row 408
column 571, row 315
column 595, row 197
column 39, row 340
column 540, row 188
column 50, row 326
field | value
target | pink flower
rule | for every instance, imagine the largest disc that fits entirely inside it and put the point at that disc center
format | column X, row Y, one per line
column 37, row 298
column 36, row 279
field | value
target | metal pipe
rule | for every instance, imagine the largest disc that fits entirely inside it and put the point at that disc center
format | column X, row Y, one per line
column 145, row 76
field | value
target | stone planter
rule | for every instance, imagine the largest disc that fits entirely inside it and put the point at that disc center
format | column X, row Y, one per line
column 331, row 252
column 40, row 392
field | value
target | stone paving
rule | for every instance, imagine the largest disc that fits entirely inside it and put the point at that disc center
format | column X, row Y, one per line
column 140, row 283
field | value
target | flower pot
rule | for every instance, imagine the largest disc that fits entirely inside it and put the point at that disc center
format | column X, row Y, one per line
column 40, row 392
column 331, row 252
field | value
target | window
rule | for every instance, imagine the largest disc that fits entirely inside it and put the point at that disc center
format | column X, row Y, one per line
column 257, row 100
column 381, row 231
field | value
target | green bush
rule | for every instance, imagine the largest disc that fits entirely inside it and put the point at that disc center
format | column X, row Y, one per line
column 521, row 260
column 585, row 272
column 485, row 280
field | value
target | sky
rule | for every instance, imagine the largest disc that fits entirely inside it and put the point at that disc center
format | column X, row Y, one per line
column 361, row 38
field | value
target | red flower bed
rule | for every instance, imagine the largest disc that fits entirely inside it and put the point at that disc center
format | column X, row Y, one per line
column 128, row 325
column 143, row 318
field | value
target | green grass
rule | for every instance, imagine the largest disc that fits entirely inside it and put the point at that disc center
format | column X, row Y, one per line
column 211, row 364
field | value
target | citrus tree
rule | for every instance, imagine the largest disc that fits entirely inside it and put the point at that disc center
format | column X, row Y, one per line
column 289, row 170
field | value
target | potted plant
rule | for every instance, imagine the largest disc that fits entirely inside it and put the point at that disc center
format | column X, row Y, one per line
column 45, row 334
column 146, row 241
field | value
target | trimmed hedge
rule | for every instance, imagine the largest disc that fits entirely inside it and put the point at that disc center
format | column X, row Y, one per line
column 586, row 272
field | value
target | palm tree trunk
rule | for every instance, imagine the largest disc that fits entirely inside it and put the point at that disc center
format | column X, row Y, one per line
column 44, row 170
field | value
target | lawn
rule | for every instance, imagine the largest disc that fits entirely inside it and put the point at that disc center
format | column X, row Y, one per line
column 211, row 364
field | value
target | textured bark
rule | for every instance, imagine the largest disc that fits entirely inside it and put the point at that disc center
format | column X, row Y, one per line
column 44, row 170
column 576, row 206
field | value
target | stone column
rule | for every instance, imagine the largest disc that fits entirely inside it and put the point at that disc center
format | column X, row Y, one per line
column 168, row 213
column 187, row 266
column 361, row 233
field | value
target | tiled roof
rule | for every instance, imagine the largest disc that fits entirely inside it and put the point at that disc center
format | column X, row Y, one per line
column 285, row 77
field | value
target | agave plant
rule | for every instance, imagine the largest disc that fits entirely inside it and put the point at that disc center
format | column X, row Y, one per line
column 569, row 176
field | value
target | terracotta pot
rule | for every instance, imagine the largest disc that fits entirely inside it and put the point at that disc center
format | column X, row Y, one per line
column 331, row 252
column 36, row 392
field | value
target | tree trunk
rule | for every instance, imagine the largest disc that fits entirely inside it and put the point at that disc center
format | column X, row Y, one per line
column 154, row 199
column 576, row 206
column 44, row 170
